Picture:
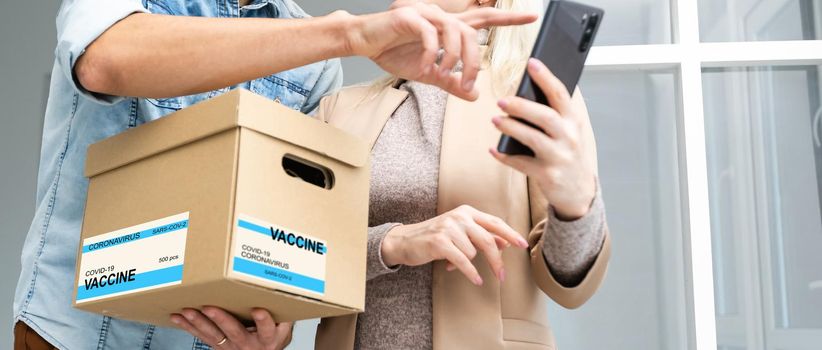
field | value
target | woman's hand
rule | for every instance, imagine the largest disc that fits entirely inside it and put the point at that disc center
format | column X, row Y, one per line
column 564, row 164
column 220, row 330
column 455, row 236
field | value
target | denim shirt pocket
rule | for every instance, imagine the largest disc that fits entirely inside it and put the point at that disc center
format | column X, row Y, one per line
column 171, row 104
column 280, row 89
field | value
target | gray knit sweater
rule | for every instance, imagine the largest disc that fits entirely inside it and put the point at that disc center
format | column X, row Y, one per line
column 398, row 300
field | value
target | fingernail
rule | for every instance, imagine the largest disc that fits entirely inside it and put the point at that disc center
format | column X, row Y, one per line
column 468, row 85
column 502, row 274
column 478, row 281
column 209, row 313
column 175, row 320
column 523, row 243
column 534, row 64
column 258, row 315
column 496, row 120
column 502, row 103
column 188, row 315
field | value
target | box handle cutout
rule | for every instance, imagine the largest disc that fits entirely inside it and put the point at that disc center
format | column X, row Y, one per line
column 308, row 171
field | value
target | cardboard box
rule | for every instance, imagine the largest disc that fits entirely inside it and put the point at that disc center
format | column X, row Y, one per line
column 202, row 207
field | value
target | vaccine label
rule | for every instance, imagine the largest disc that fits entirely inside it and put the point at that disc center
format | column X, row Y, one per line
column 277, row 257
column 133, row 259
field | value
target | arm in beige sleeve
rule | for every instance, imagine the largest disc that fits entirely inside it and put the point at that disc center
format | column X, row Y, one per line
column 570, row 247
column 588, row 270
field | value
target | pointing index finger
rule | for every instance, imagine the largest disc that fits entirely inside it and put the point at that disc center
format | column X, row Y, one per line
column 488, row 17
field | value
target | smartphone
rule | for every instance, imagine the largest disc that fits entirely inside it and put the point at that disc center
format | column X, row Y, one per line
column 567, row 34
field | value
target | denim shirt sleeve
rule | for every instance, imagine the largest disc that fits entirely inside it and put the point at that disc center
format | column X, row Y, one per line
column 330, row 80
column 79, row 23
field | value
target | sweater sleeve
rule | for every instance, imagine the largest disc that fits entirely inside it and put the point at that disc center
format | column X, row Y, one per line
column 375, row 266
column 576, row 294
column 570, row 247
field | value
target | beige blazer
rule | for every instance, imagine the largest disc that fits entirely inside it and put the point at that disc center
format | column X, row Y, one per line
column 509, row 315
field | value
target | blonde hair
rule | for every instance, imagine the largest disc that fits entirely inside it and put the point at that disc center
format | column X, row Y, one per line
column 508, row 49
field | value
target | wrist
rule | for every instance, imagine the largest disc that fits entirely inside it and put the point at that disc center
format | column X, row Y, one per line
column 571, row 213
column 349, row 25
column 390, row 249
column 576, row 208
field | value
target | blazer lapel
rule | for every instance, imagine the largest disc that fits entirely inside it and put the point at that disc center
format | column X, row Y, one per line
column 466, row 136
column 355, row 112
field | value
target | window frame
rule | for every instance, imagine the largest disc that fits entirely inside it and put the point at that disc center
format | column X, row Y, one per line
column 687, row 56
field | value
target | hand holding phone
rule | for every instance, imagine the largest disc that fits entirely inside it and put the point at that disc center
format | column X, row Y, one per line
column 564, row 165
column 567, row 33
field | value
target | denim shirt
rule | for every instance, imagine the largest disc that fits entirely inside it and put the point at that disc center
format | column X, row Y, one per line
column 76, row 118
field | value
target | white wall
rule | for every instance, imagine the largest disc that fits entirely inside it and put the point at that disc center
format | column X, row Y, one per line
column 27, row 38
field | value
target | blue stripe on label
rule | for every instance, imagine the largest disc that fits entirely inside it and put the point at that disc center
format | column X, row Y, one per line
column 254, row 227
column 278, row 275
column 135, row 236
column 264, row 230
column 141, row 280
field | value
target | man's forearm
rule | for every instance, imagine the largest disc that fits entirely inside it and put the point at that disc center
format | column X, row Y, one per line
column 149, row 55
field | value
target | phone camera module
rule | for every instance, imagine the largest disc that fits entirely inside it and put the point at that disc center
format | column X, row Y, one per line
column 594, row 19
column 589, row 22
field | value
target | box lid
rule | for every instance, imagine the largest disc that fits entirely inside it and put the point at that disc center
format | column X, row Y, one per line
column 237, row 108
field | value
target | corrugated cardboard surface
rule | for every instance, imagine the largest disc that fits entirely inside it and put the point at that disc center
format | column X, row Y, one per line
column 219, row 114
column 293, row 127
column 218, row 159
column 266, row 192
column 194, row 123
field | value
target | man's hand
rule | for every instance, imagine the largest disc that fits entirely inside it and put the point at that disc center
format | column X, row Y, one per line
column 180, row 55
column 405, row 42
column 220, row 330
